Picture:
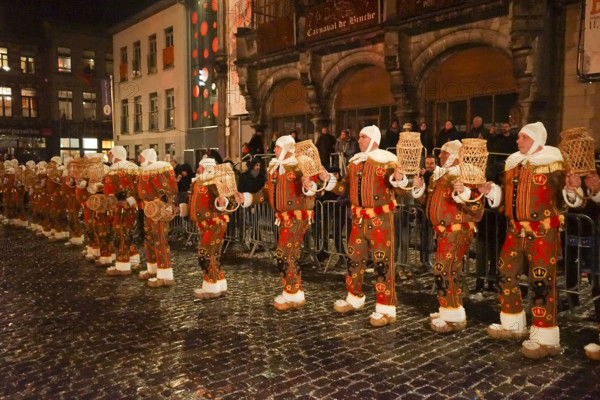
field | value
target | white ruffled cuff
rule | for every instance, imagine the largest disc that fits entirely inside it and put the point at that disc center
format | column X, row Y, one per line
column 224, row 207
column 310, row 192
column 595, row 197
column 401, row 184
column 247, row 200
column 573, row 197
column 131, row 201
column 494, row 196
column 331, row 183
column 459, row 199
column 418, row 192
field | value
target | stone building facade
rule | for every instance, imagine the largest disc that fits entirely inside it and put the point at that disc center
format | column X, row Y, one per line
column 504, row 60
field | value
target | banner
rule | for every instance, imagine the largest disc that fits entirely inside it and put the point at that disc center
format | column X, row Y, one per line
column 339, row 16
column 591, row 39
column 239, row 15
column 105, row 89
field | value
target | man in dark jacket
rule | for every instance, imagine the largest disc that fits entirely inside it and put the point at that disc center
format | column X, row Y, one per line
column 478, row 131
column 391, row 135
column 325, row 145
column 448, row 134
column 252, row 180
column 256, row 145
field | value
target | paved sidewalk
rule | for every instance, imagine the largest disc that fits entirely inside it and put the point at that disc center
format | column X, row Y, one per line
column 69, row 331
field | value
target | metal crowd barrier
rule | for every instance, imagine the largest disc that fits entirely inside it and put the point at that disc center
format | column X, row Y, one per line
column 413, row 236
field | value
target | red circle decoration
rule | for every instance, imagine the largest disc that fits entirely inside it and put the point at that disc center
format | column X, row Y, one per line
column 205, row 4
column 195, row 53
column 205, row 114
column 216, row 108
column 214, row 25
column 195, row 116
column 196, row 91
column 194, row 17
column 203, row 28
column 205, row 93
column 195, row 73
column 215, row 45
column 205, row 53
column 214, row 5
column 195, row 35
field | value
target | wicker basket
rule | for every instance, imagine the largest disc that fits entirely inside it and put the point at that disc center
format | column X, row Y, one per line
column 29, row 178
column 408, row 150
column 577, row 148
column 308, row 158
column 226, row 185
column 101, row 203
column 472, row 159
column 53, row 172
column 93, row 169
column 159, row 210
column 76, row 168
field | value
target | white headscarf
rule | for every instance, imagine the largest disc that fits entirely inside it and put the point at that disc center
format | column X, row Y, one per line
column 149, row 157
column 536, row 131
column 288, row 145
column 209, row 165
column 452, row 148
column 119, row 153
column 375, row 134
column 547, row 154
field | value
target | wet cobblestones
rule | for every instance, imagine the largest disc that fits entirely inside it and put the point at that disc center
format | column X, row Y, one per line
column 67, row 330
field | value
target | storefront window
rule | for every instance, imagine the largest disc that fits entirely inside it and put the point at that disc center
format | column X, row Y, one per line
column 5, row 101
column 90, row 144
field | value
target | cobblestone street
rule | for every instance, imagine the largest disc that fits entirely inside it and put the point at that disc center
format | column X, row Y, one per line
column 69, row 331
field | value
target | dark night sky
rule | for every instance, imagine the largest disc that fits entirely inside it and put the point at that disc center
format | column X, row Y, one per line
column 101, row 13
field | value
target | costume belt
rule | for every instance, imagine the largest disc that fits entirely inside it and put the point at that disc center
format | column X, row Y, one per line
column 454, row 227
column 207, row 223
column 537, row 227
column 369, row 213
column 296, row 214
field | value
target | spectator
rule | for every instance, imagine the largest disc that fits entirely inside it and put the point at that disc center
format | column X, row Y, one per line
column 214, row 154
column 183, row 175
column 430, row 167
column 407, row 127
column 325, row 145
column 493, row 129
column 252, row 180
column 255, row 146
column 294, row 135
column 391, row 136
column 245, row 150
column 478, row 131
column 426, row 138
column 346, row 147
column 272, row 144
column 448, row 134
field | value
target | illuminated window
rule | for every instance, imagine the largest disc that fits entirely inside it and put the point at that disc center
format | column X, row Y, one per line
column 151, row 54
column 5, row 101
column 64, row 59
column 4, row 59
column 89, row 105
column 136, row 65
column 29, row 103
column 88, row 61
column 27, row 65
column 65, row 104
